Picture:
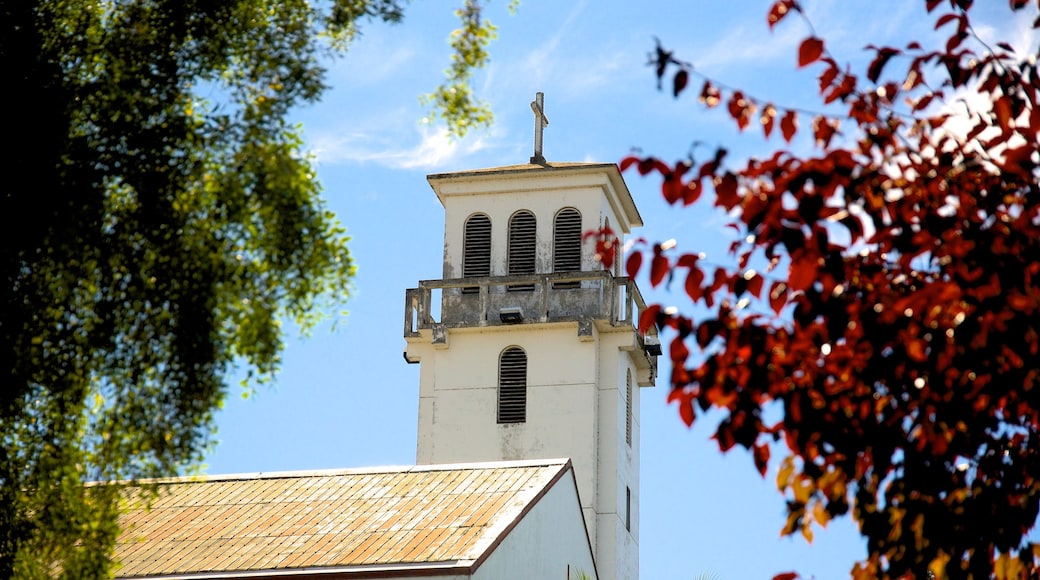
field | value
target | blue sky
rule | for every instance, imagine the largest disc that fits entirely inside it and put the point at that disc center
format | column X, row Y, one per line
column 346, row 398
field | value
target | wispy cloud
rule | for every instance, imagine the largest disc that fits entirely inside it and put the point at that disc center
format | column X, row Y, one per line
column 434, row 149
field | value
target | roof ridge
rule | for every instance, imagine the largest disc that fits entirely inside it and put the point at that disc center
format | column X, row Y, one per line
column 332, row 472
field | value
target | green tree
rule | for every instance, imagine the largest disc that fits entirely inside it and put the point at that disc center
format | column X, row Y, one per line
column 883, row 304
column 160, row 219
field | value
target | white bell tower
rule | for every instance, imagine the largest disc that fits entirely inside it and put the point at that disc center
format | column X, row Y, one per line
column 528, row 347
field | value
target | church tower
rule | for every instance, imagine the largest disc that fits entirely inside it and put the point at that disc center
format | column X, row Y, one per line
column 529, row 348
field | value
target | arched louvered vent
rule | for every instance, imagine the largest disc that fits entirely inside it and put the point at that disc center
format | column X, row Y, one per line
column 628, row 407
column 512, row 386
column 567, row 244
column 476, row 259
column 522, row 246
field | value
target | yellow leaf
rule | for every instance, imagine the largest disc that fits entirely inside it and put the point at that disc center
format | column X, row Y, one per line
column 783, row 476
column 918, row 529
column 1008, row 568
column 807, row 532
column 820, row 514
column 938, row 566
column 803, row 489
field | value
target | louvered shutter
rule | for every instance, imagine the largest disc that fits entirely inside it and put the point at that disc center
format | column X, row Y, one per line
column 522, row 246
column 628, row 407
column 476, row 259
column 512, row 386
column 567, row 244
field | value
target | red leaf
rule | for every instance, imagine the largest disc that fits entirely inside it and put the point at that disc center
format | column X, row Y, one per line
column 789, row 125
column 685, row 400
column 810, row 51
column 710, row 95
column 847, row 86
column 628, row 162
column 779, row 10
column 648, row 317
column 944, row 19
column 740, row 109
column 761, row 453
column 692, row 192
column 694, row 282
column 754, row 285
column 658, row 269
column 678, row 352
column 823, row 130
column 786, row 576
column 883, row 55
column 827, row 77
column 768, row 117
column 802, row 273
column 632, row 265
column 649, row 164
column 1002, row 108
column 726, row 191
column 778, row 297
column 672, row 188
column 679, row 82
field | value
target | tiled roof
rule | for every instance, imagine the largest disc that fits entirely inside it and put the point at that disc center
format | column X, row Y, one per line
column 423, row 516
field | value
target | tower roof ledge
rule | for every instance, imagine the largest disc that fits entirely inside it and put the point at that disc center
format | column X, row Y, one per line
column 529, row 176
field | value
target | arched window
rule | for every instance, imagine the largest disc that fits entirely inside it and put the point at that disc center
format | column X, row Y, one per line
column 628, row 407
column 476, row 256
column 567, row 244
column 512, row 386
column 522, row 246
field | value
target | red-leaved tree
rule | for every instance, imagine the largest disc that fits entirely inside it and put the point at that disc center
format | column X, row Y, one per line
column 895, row 319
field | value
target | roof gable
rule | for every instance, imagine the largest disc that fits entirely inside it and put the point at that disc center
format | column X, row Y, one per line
column 387, row 518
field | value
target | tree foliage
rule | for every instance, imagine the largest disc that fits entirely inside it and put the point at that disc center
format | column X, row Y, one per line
column 160, row 220
column 892, row 322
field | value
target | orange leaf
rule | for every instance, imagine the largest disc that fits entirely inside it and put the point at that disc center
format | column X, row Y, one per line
column 810, row 51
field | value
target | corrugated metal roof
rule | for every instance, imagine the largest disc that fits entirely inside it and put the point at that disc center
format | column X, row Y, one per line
column 407, row 516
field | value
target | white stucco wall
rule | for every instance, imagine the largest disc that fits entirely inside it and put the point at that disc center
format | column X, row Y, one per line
column 575, row 408
column 548, row 541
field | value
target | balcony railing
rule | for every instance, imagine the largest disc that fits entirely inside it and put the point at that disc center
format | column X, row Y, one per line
column 569, row 296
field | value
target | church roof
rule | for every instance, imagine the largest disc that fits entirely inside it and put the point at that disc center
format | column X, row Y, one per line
column 627, row 206
column 376, row 519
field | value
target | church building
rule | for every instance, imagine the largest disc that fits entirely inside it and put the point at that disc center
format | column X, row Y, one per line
column 527, row 459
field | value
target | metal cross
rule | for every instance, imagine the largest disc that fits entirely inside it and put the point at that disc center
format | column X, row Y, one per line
column 540, row 122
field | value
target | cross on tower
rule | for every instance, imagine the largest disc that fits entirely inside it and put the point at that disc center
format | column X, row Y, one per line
column 540, row 122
